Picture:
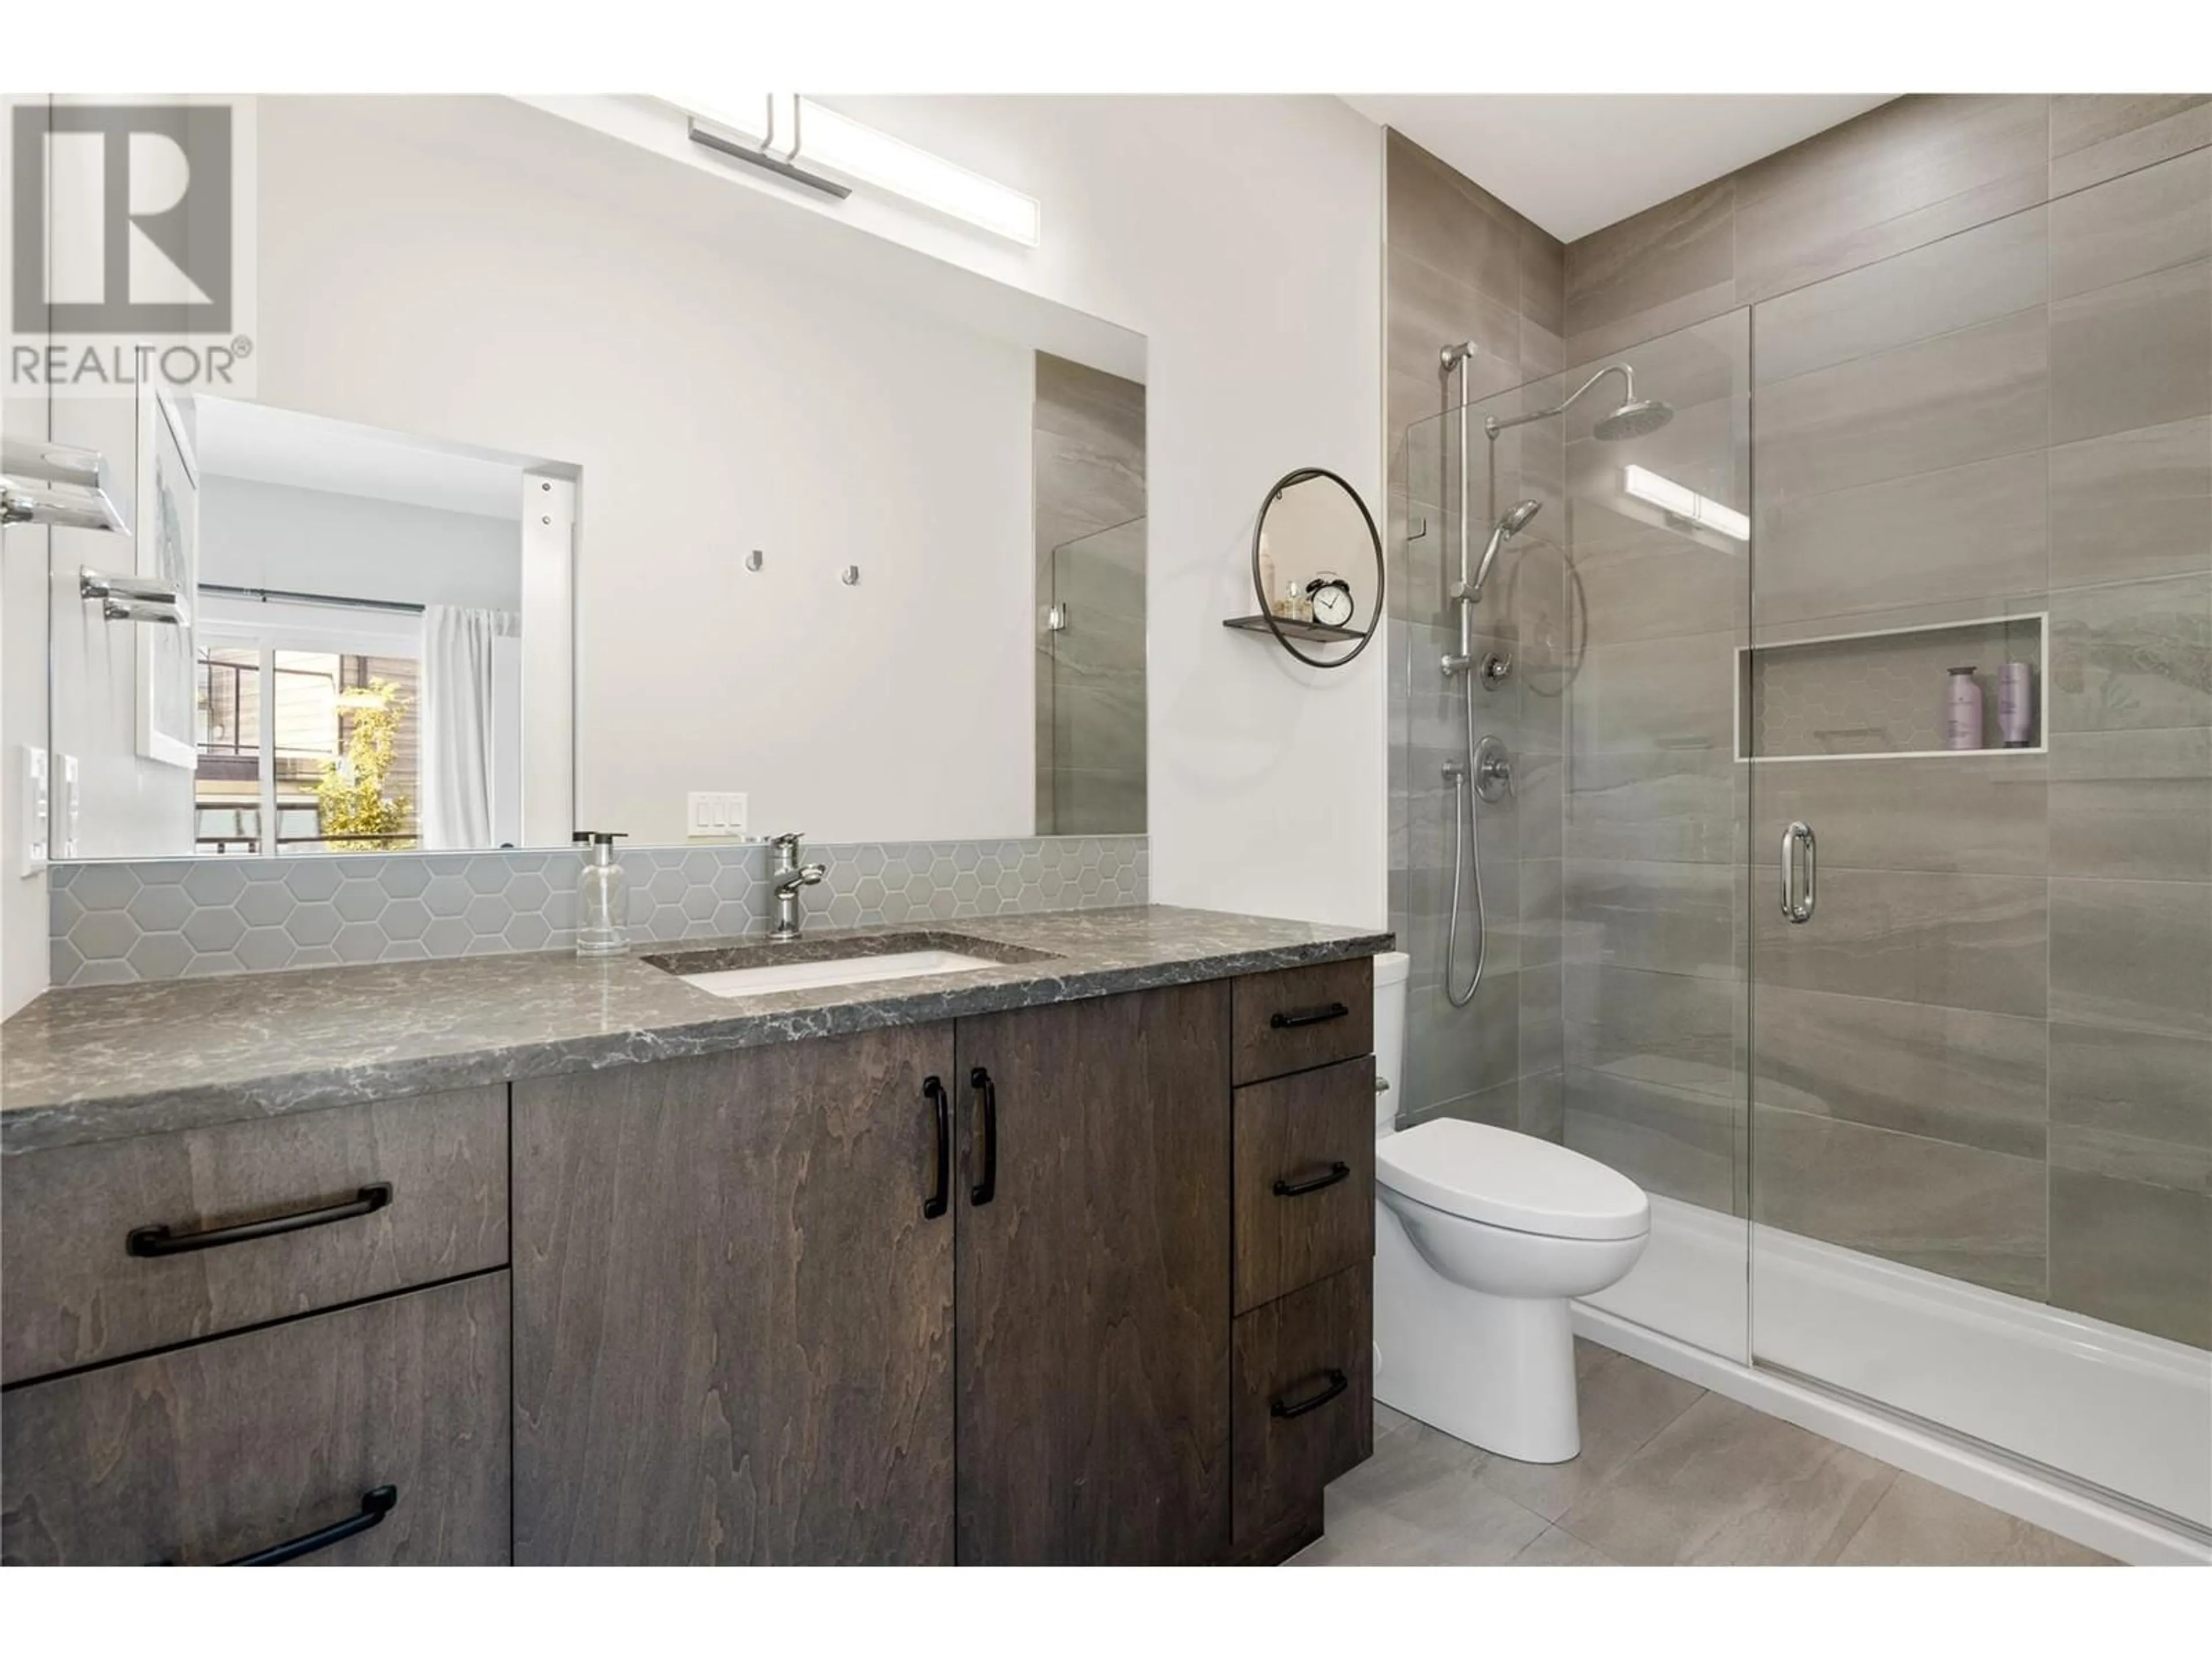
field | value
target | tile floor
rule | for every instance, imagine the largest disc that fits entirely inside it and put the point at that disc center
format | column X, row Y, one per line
column 1669, row 1474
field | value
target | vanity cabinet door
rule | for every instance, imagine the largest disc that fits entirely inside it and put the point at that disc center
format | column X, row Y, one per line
column 733, row 1320
column 373, row 1435
column 1093, row 1305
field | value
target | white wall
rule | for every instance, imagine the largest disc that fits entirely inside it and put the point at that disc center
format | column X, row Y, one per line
column 439, row 270
column 254, row 534
column 1242, row 237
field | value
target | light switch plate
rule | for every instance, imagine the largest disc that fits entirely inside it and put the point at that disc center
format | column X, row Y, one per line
column 70, row 802
column 35, row 800
column 715, row 815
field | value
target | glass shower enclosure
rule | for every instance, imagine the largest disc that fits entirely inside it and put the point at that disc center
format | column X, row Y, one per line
column 1854, row 892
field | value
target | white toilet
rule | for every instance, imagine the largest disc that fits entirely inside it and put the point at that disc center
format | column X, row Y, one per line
column 1481, row 1235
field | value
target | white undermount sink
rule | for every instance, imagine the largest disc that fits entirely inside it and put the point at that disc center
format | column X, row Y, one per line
column 837, row 970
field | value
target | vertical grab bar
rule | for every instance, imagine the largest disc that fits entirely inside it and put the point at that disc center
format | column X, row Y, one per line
column 1797, row 902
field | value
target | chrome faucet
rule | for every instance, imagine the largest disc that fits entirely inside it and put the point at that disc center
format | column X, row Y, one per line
column 787, row 877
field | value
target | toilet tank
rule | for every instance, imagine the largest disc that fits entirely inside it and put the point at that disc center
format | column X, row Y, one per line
column 1391, row 968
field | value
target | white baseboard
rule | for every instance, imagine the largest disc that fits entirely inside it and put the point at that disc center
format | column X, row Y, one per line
column 2117, row 1531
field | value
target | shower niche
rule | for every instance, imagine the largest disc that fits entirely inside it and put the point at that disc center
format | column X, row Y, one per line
column 1884, row 693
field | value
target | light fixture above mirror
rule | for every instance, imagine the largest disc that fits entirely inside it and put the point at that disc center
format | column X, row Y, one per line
column 808, row 144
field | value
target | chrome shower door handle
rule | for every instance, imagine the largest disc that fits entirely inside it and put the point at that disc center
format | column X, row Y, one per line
column 1799, row 896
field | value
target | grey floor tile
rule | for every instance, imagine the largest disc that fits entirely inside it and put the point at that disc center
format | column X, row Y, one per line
column 1558, row 1548
column 1920, row 1524
column 1624, row 1404
column 1724, row 1484
column 1417, row 1503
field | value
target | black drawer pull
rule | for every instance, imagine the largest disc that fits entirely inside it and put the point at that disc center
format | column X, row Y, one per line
column 1309, row 1017
column 933, row 1090
column 160, row 1241
column 375, row 1504
column 1299, row 1189
column 987, row 1187
column 1338, row 1383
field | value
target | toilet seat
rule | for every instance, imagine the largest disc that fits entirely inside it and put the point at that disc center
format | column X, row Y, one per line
column 1504, row 1178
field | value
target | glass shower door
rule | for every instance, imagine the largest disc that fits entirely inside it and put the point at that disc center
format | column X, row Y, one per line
column 1977, row 728
column 1091, row 705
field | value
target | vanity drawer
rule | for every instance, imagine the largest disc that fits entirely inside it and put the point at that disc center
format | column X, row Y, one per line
column 1299, row 1017
column 380, row 1197
column 1305, row 1179
column 1301, row 1409
column 394, row 1414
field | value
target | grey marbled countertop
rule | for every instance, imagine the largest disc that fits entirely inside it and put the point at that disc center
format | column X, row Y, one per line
column 103, row 1062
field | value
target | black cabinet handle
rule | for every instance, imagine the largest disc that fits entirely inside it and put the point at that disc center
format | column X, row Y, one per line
column 1309, row 1017
column 1338, row 1383
column 987, row 1188
column 375, row 1504
column 161, row 1241
column 933, row 1090
column 1298, row 1189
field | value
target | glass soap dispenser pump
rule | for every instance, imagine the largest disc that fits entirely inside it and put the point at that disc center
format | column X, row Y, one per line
column 602, row 897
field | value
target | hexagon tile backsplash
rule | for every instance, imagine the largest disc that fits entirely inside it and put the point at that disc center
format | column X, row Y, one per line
column 170, row 918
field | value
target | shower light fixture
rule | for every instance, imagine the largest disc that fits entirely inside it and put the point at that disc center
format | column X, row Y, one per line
column 1684, row 502
column 809, row 143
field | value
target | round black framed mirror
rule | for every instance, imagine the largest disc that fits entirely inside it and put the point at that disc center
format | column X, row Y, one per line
column 1317, row 566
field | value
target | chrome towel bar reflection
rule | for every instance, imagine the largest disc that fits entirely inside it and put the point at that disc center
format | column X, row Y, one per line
column 59, row 484
column 132, row 599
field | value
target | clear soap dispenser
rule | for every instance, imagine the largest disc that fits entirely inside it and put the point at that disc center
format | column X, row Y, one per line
column 602, row 897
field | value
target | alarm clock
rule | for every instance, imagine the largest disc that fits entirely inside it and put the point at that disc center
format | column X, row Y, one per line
column 1332, row 599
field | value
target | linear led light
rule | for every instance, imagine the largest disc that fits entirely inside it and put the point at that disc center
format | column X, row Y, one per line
column 1684, row 502
column 808, row 144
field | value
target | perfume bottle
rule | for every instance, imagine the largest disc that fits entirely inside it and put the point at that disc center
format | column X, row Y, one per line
column 602, row 897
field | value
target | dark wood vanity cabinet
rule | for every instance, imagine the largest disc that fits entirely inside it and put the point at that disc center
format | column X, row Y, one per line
column 1091, row 1317
column 1085, row 1283
column 733, row 1312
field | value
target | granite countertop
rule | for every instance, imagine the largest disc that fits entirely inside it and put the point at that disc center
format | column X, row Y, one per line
column 104, row 1062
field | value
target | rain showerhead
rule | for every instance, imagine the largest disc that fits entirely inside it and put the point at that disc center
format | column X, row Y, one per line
column 1633, row 419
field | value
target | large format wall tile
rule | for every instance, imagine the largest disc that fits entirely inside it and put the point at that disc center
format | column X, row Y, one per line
column 1950, row 1209
column 1636, row 694
column 1681, row 1031
column 2132, row 803
column 1672, row 918
column 1648, row 266
column 2139, row 1084
column 1450, row 223
column 1973, row 395
column 1900, row 176
column 2138, row 1255
column 2133, row 226
column 1974, row 532
column 2136, row 354
column 1956, row 941
column 2132, row 657
column 1975, row 277
column 2135, row 954
column 1968, row 814
column 2100, row 136
column 2132, row 505
column 1455, row 1052
column 1680, row 1143
column 1662, row 805
column 1953, row 1074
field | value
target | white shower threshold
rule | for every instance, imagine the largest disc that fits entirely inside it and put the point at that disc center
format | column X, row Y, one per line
column 2110, row 1407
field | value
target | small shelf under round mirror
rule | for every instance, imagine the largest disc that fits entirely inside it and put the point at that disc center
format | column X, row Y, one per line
column 1315, row 546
